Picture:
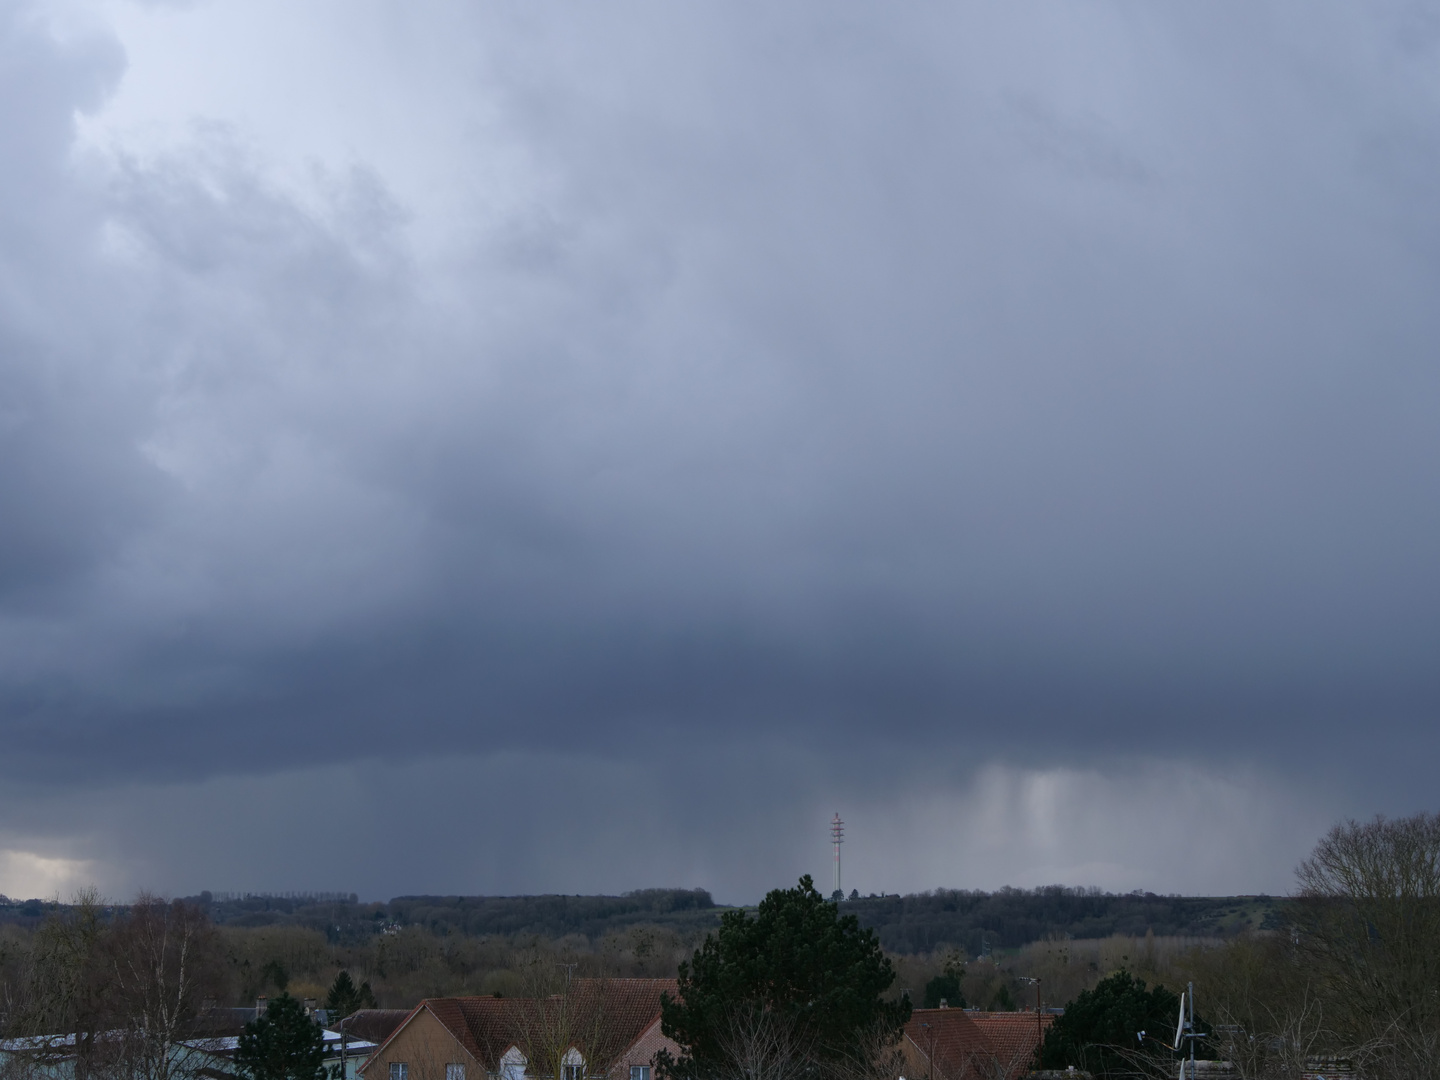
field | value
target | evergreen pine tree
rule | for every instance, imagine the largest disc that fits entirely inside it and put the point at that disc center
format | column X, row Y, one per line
column 282, row 1044
column 343, row 998
column 814, row 972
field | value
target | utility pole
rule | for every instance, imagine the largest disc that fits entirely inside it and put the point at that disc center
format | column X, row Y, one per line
column 1039, row 1020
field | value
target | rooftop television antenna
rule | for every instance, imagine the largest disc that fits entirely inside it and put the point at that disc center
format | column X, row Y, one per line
column 1184, row 1030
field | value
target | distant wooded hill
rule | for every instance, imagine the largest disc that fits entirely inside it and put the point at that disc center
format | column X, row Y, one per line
column 976, row 922
column 688, row 912
column 557, row 916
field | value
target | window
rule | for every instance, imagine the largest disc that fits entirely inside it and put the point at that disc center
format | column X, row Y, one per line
column 512, row 1064
column 399, row 1070
column 639, row 1072
column 455, row 1072
column 572, row 1072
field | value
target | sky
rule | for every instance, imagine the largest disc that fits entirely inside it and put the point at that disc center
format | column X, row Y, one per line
column 468, row 446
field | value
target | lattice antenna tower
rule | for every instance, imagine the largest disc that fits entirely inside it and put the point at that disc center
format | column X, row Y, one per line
column 837, row 835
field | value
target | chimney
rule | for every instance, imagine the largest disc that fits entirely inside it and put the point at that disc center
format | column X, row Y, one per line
column 944, row 1003
column 260, row 1005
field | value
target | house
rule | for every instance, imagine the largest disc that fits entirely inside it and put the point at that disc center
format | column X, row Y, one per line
column 344, row 1054
column 372, row 1025
column 59, row 1057
column 349, row 1042
column 599, row 1028
column 965, row 1044
column 347, row 1045
column 208, row 1055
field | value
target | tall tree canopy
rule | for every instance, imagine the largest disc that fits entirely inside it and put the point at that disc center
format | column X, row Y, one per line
column 1097, row 1031
column 282, row 1044
column 1367, row 924
column 345, row 997
column 811, row 971
column 945, row 988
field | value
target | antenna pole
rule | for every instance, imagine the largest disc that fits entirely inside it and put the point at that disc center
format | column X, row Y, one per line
column 1191, row 1025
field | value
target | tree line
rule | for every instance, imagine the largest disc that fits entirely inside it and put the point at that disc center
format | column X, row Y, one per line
column 982, row 922
column 401, row 966
column 913, row 924
column 1349, row 979
column 118, row 996
column 1348, row 969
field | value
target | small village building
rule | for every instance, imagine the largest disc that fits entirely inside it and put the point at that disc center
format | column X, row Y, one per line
column 966, row 1044
column 485, row 1038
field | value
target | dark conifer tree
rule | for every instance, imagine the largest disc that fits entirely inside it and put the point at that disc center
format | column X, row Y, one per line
column 812, row 972
column 282, row 1044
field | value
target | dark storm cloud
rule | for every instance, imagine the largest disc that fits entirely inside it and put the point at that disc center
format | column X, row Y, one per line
column 966, row 379
column 71, row 480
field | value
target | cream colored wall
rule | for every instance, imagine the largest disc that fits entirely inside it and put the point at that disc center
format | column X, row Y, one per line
column 427, row 1046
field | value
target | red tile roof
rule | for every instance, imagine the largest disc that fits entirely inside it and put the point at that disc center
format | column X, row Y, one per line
column 485, row 1026
column 373, row 1025
column 958, row 1044
column 488, row 1026
column 1014, row 1035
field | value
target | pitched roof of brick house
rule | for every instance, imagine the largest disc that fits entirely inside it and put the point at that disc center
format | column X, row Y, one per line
column 485, row 1026
column 958, row 1044
column 488, row 1026
column 1014, row 1035
column 949, row 1040
column 632, row 1005
column 373, row 1025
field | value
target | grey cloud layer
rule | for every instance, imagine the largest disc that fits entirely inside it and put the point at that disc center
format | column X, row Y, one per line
column 968, row 378
column 733, row 821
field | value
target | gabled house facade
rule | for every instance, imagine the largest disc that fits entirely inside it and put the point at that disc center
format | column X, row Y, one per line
column 489, row 1038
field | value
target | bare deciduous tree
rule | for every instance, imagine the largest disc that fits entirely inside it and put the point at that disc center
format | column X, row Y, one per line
column 1368, row 926
column 164, row 962
column 63, row 991
column 875, row 1054
column 1278, row 1042
column 759, row 1044
column 563, row 1024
